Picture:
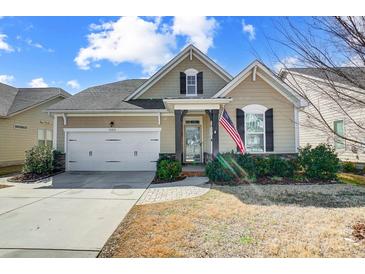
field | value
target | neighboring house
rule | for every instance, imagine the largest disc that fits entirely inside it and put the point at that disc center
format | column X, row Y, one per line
column 127, row 124
column 319, row 85
column 23, row 122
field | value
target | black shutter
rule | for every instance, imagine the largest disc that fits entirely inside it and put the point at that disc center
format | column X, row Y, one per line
column 240, row 123
column 182, row 83
column 269, row 130
column 199, row 79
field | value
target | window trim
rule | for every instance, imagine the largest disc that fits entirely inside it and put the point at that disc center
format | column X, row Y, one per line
column 335, row 136
column 255, row 109
column 191, row 72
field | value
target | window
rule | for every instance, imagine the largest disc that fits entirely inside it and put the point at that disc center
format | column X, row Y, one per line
column 45, row 137
column 191, row 85
column 255, row 128
column 338, row 127
column 191, row 82
column 255, row 132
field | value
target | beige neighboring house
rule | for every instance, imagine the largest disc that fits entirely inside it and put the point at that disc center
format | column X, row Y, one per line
column 126, row 125
column 23, row 122
column 314, row 82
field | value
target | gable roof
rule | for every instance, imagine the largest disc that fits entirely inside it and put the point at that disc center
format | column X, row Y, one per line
column 355, row 73
column 267, row 75
column 14, row 100
column 188, row 51
column 108, row 97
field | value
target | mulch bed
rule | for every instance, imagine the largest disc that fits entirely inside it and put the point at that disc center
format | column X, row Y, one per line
column 31, row 177
column 4, row 186
column 158, row 181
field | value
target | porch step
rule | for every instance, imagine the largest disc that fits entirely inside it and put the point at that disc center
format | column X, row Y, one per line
column 193, row 170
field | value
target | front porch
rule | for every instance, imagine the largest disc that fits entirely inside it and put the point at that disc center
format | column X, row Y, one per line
column 196, row 128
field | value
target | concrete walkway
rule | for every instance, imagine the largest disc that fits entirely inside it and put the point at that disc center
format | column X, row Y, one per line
column 71, row 215
column 187, row 188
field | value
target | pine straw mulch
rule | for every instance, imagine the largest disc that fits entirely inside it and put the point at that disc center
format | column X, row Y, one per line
column 246, row 221
column 32, row 177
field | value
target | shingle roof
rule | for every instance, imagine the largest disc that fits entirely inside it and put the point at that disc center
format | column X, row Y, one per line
column 108, row 97
column 14, row 99
column 357, row 74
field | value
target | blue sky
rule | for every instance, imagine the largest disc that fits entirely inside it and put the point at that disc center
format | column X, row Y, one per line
column 78, row 52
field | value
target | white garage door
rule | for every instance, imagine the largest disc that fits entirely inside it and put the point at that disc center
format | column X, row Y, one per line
column 113, row 151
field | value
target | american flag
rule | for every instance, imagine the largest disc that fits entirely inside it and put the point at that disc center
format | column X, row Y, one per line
column 226, row 122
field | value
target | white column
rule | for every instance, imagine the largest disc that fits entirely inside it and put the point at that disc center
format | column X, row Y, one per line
column 54, row 133
column 296, row 124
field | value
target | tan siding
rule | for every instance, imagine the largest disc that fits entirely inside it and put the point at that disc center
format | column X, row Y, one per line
column 14, row 142
column 167, row 134
column 169, row 85
column 314, row 133
column 259, row 92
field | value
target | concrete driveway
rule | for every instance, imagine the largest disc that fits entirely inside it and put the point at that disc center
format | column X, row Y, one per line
column 71, row 215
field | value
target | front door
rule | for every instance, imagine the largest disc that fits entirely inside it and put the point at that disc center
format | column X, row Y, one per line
column 193, row 144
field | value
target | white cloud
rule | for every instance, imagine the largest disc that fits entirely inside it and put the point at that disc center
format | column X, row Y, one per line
column 73, row 84
column 147, row 42
column 249, row 29
column 38, row 83
column 31, row 43
column 199, row 30
column 354, row 61
column 129, row 39
column 287, row 62
column 3, row 45
column 6, row 79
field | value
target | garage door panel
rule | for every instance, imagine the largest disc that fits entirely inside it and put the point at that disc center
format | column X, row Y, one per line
column 109, row 151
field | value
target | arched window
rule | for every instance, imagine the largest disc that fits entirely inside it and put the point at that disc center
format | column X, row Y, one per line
column 191, row 82
column 255, row 138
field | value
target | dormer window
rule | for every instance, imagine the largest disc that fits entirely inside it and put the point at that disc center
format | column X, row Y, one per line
column 191, row 82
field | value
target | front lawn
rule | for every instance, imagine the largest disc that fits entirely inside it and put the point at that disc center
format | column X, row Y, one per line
column 247, row 221
column 350, row 178
column 8, row 170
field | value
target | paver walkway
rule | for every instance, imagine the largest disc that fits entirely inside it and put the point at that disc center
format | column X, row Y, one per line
column 187, row 188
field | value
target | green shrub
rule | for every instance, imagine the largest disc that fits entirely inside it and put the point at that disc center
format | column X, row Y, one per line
column 262, row 167
column 39, row 160
column 348, row 167
column 280, row 167
column 168, row 169
column 319, row 163
column 217, row 171
column 247, row 162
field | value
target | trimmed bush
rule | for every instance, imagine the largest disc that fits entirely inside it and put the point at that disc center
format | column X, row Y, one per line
column 216, row 172
column 319, row 163
column 262, row 167
column 348, row 167
column 247, row 162
column 280, row 167
column 168, row 169
column 39, row 160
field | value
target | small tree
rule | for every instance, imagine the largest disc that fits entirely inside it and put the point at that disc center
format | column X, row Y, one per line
column 39, row 160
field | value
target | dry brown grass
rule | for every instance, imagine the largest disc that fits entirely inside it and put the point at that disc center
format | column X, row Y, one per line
column 246, row 221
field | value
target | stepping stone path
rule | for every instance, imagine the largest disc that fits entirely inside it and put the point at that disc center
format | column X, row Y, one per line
column 187, row 188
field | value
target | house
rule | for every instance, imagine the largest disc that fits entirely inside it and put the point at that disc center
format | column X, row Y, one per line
column 327, row 92
column 23, row 123
column 127, row 124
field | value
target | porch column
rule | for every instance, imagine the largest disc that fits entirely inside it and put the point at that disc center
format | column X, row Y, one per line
column 215, row 131
column 179, row 114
